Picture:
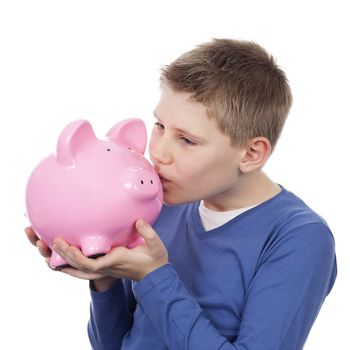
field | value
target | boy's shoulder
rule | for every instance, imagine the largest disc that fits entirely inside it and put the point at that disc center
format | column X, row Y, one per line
column 291, row 223
column 292, row 208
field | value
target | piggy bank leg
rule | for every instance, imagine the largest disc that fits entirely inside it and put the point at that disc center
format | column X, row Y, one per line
column 57, row 262
column 95, row 246
column 135, row 240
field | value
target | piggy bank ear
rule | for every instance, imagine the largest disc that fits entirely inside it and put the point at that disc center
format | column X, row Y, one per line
column 131, row 133
column 71, row 139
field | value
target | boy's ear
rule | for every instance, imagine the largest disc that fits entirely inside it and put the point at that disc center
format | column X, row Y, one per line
column 257, row 152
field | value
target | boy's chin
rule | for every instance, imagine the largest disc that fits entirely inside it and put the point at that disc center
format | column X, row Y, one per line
column 170, row 203
column 172, row 200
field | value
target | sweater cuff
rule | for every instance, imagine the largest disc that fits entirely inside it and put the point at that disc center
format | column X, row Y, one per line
column 153, row 279
column 116, row 288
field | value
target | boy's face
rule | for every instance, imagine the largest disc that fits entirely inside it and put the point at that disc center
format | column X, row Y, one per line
column 193, row 158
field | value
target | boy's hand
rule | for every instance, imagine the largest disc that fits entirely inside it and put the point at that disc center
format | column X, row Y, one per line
column 120, row 262
column 44, row 250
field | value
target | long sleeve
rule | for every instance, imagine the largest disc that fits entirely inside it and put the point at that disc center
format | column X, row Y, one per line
column 281, row 302
column 110, row 317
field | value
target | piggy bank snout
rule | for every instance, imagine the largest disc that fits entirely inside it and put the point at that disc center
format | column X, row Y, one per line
column 143, row 184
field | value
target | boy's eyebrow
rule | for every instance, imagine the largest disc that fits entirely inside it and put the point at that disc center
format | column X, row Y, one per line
column 183, row 131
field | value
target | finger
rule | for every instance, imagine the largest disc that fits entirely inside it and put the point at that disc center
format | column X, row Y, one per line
column 112, row 261
column 81, row 274
column 70, row 254
column 148, row 234
column 33, row 238
column 44, row 250
column 74, row 257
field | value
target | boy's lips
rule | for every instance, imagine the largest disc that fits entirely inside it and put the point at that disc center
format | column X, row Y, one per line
column 163, row 179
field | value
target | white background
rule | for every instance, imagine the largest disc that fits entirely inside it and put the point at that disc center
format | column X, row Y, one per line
column 99, row 60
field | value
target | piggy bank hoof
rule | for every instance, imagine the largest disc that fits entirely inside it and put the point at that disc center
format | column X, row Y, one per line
column 95, row 256
column 60, row 267
column 57, row 262
column 95, row 246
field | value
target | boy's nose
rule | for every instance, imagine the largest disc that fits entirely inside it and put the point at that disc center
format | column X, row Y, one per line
column 160, row 152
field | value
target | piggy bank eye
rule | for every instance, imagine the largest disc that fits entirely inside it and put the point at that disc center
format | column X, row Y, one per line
column 108, row 149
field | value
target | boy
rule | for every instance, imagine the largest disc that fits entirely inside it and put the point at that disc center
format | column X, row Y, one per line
column 234, row 261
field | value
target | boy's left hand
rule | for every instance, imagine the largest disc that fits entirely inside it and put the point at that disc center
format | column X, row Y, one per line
column 120, row 262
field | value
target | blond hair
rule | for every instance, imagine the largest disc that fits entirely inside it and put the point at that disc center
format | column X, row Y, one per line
column 239, row 82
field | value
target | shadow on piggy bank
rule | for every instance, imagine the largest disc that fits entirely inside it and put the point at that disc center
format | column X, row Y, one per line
column 92, row 191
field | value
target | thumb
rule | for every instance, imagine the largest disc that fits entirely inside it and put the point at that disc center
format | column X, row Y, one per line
column 156, row 248
column 147, row 232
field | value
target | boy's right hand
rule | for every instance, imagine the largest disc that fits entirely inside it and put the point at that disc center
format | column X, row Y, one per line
column 44, row 250
column 99, row 285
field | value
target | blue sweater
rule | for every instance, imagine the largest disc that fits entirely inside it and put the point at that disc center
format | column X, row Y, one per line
column 255, row 283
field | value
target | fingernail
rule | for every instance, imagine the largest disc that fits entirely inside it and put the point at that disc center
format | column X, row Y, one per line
column 141, row 223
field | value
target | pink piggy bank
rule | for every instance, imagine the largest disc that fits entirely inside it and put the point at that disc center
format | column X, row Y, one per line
column 92, row 191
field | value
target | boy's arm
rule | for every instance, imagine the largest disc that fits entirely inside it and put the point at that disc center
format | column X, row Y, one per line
column 111, row 315
column 281, row 303
column 287, row 292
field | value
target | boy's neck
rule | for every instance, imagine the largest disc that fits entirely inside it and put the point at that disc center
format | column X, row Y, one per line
column 251, row 190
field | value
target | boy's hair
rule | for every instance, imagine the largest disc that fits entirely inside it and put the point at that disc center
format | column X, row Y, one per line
column 239, row 82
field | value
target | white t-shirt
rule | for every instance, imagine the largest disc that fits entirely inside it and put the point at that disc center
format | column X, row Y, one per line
column 212, row 219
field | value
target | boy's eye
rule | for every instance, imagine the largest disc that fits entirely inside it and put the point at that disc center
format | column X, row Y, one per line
column 187, row 141
column 158, row 125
